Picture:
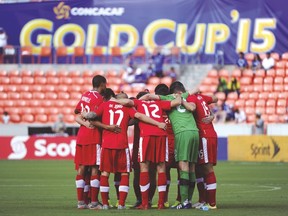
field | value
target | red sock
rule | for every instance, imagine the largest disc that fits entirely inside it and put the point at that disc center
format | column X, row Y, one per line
column 94, row 187
column 117, row 179
column 161, row 188
column 80, row 184
column 211, row 185
column 86, row 189
column 144, row 187
column 123, row 189
column 104, row 188
column 201, row 190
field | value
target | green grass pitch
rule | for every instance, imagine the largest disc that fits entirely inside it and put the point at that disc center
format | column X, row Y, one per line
column 43, row 188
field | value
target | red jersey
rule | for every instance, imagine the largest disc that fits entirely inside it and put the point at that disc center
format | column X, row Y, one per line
column 154, row 110
column 89, row 101
column 202, row 111
column 169, row 129
column 114, row 113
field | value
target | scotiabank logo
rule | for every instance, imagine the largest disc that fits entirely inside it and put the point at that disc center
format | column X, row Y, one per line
column 18, row 147
column 43, row 148
column 25, row 147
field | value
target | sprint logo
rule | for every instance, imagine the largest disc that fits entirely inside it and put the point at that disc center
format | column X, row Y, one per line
column 62, row 11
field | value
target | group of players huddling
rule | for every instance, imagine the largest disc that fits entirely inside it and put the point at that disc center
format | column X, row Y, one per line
column 172, row 129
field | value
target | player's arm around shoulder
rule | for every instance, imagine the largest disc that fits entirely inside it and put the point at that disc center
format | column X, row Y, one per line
column 149, row 120
column 124, row 101
column 150, row 97
column 190, row 106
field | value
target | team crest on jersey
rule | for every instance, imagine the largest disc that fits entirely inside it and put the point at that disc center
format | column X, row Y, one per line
column 199, row 97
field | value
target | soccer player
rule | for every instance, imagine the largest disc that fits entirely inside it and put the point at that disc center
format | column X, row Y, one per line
column 163, row 89
column 186, row 141
column 207, row 157
column 88, row 143
column 115, row 157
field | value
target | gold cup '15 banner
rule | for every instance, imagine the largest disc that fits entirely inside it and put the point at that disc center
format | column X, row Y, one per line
column 258, row 148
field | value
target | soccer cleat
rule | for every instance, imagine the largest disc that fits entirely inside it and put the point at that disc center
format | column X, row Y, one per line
column 166, row 204
column 105, row 207
column 117, row 204
column 81, row 205
column 138, row 203
column 143, row 207
column 95, row 205
column 120, row 207
column 110, row 205
column 185, row 205
column 198, row 205
column 175, row 204
column 207, row 207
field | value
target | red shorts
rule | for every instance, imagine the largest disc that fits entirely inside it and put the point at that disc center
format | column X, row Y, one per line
column 87, row 155
column 153, row 149
column 208, row 150
column 115, row 160
column 135, row 162
column 171, row 155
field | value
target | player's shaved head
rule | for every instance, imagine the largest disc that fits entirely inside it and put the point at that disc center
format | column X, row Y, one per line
column 122, row 95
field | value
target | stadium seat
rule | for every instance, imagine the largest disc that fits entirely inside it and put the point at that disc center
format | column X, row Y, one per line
column 258, row 88
column 258, row 80
column 36, row 88
column 63, row 95
column 11, row 88
column 280, row 72
column 281, row 110
column 51, row 95
column 26, row 73
column 79, row 52
column 260, row 103
column 283, row 95
column 45, row 52
column 52, row 80
column 41, row 118
column 38, row 95
column 260, row 73
column 51, row 73
column 15, row 118
column 254, row 95
column 126, row 88
column 69, row 118
column 236, row 73
column 14, row 73
column 272, row 118
column 245, row 81
column 4, row 80
column 250, row 110
column 38, row 73
column 272, row 95
column 268, row 80
column 154, row 80
column 263, row 95
column 212, row 73
column 27, row 118
column 115, row 53
column 250, row 118
column 114, row 80
column 75, row 73
column 270, row 110
column 26, row 52
column 278, row 80
column 278, row 87
column 247, row 73
column 34, row 103
column 62, row 73
column 21, row 103
column 140, row 52
column 8, row 103
column 62, row 88
column 209, row 81
column 271, row 103
column 61, row 52
column 40, row 80
column 276, row 56
column 240, row 103
column 270, row 73
column 268, row 87
column 244, row 95
column 13, row 95
column 250, row 103
column 280, row 65
column 66, row 80
column 75, row 95
column 78, row 81
column 97, row 52
column 224, row 73
column 246, row 88
column 284, row 56
column 114, row 87
column 3, row 73
column 232, row 96
column 87, row 73
column 282, row 103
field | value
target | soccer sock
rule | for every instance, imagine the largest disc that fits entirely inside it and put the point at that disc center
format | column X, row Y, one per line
column 86, row 189
column 94, row 187
column 201, row 189
column 116, row 184
column 80, row 184
column 178, row 186
column 144, row 187
column 192, row 180
column 162, row 188
column 168, row 177
column 210, row 180
column 104, row 189
column 184, row 185
column 152, row 188
column 123, row 189
column 136, row 185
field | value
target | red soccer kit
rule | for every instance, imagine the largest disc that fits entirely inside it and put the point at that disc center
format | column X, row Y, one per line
column 115, row 155
column 88, row 140
column 153, row 144
column 208, row 136
column 171, row 142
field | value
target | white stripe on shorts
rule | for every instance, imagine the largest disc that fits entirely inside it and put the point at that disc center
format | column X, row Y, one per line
column 205, row 149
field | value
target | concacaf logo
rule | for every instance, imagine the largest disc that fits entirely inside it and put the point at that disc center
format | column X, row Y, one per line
column 62, row 11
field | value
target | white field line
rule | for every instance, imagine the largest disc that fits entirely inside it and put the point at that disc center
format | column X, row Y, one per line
column 255, row 188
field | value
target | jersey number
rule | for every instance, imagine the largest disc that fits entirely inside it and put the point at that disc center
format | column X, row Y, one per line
column 153, row 112
column 205, row 108
column 112, row 116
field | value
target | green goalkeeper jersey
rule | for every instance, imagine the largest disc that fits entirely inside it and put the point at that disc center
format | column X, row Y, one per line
column 181, row 119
